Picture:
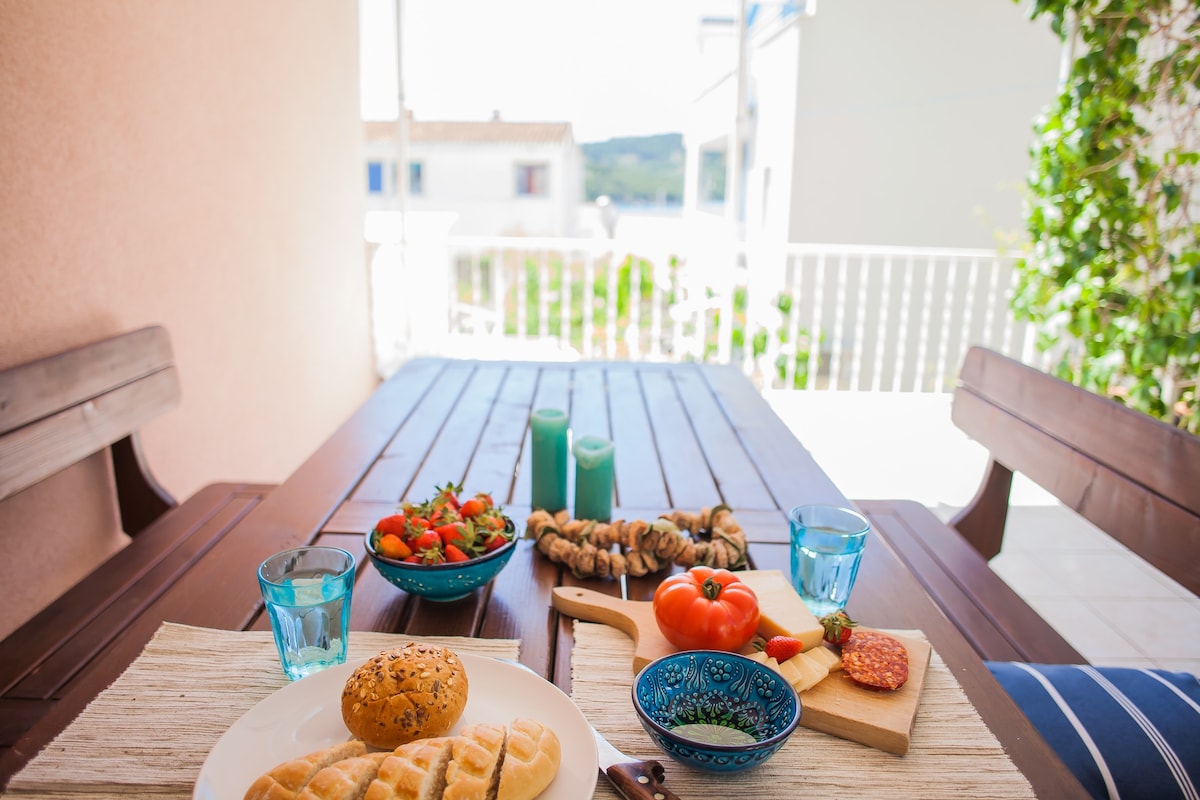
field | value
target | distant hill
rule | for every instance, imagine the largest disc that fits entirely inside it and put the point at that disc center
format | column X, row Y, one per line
column 636, row 170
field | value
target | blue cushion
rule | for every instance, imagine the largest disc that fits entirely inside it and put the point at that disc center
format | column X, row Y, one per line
column 1128, row 733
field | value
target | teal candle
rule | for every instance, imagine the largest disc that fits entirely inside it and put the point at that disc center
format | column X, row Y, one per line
column 593, row 478
column 548, row 431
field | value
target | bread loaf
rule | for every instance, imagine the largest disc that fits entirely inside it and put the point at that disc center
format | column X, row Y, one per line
column 415, row 771
column 484, row 762
column 285, row 781
column 347, row 779
column 474, row 769
column 531, row 760
column 413, row 692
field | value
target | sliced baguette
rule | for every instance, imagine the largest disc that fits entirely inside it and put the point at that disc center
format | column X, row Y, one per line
column 474, row 769
column 414, row 771
column 347, row 779
column 285, row 781
column 531, row 760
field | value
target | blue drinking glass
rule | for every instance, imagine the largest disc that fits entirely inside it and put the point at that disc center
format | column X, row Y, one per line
column 827, row 546
column 307, row 594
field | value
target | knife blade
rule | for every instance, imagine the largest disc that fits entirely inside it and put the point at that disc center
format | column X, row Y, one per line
column 633, row 779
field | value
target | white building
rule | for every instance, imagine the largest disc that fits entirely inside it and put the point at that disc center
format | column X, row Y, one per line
column 876, row 122
column 500, row 178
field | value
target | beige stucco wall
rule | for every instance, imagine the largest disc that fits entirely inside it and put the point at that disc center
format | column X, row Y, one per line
column 914, row 120
column 194, row 163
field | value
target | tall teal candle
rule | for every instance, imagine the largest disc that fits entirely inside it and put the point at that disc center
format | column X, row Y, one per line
column 548, row 431
column 593, row 478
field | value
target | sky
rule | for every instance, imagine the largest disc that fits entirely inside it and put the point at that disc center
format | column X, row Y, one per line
column 611, row 68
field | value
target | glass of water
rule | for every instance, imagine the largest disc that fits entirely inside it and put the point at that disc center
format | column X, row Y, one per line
column 827, row 545
column 307, row 594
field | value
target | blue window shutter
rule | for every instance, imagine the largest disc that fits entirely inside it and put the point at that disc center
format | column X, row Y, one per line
column 374, row 177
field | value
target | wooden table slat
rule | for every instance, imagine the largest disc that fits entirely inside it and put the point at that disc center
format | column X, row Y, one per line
column 737, row 480
column 493, row 465
column 690, row 482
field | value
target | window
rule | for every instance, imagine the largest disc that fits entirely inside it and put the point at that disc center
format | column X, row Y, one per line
column 531, row 179
column 375, row 177
column 416, row 174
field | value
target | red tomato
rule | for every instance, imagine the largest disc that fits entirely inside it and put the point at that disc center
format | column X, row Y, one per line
column 706, row 608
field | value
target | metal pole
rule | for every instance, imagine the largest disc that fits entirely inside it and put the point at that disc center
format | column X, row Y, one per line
column 402, row 187
column 733, row 158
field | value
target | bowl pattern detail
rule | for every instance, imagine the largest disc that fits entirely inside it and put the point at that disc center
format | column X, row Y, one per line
column 716, row 688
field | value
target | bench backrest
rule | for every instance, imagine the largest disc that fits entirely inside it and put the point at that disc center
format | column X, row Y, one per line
column 61, row 409
column 1132, row 476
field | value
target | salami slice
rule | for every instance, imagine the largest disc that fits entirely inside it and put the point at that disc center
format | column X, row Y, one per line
column 875, row 660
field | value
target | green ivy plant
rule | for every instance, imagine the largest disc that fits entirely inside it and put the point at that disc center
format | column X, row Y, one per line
column 1111, row 274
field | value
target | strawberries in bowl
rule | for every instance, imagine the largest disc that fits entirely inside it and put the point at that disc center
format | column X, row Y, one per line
column 444, row 547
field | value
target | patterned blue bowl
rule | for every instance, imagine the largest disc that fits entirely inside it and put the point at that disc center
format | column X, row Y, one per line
column 442, row 582
column 731, row 698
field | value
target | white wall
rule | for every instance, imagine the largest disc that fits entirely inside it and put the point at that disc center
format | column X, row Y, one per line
column 198, row 164
column 914, row 120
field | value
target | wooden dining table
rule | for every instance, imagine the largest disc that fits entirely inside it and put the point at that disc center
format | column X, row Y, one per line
column 686, row 436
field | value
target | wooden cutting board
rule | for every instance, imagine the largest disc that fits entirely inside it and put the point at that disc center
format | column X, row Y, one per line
column 836, row 705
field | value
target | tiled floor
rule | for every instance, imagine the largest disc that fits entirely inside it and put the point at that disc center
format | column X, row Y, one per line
column 1113, row 607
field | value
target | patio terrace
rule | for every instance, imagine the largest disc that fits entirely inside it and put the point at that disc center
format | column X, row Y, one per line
column 854, row 344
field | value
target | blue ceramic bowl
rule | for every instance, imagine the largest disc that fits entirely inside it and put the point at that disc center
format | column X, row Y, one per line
column 719, row 691
column 442, row 582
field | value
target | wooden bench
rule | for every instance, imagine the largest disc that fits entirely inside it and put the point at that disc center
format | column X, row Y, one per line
column 1132, row 476
column 55, row 412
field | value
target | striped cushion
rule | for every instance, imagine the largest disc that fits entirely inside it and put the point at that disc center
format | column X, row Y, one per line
column 1126, row 733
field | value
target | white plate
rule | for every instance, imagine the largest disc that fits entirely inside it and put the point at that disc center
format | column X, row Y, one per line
column 307, row 715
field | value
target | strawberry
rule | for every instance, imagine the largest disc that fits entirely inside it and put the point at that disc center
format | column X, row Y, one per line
column 427, row 546
column 449, row 494
column 391, row 546
column 781, row 648
column 472, row 508
column 837, row 627
column 496, row 540
column 395, row 525
column 452, row 533
column 454, row 554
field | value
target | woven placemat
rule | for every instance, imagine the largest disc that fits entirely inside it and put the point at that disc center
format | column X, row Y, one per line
column 953, row 753
column 147, row 735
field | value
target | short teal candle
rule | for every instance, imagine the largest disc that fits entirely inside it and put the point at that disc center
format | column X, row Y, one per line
column 593, row 478
column 548, row 430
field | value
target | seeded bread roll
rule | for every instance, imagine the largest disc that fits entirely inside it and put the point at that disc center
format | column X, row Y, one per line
column 412, row 692
column 285, row 781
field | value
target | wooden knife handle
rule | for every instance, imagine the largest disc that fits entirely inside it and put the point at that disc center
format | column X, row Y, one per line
column 640, row 780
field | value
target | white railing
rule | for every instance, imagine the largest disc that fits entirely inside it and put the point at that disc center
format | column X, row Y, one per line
column 804, row 316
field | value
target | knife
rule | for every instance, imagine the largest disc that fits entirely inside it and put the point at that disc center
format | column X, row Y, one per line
column 633, row 779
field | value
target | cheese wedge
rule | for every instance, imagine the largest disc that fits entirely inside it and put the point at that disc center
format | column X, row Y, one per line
column 761, row 657
column 782, row 612
column 757, row 655
column 823, row 655
column 807, row 670
column 791, row 673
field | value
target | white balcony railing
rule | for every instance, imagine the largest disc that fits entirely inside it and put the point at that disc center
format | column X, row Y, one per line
column 804, row 316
